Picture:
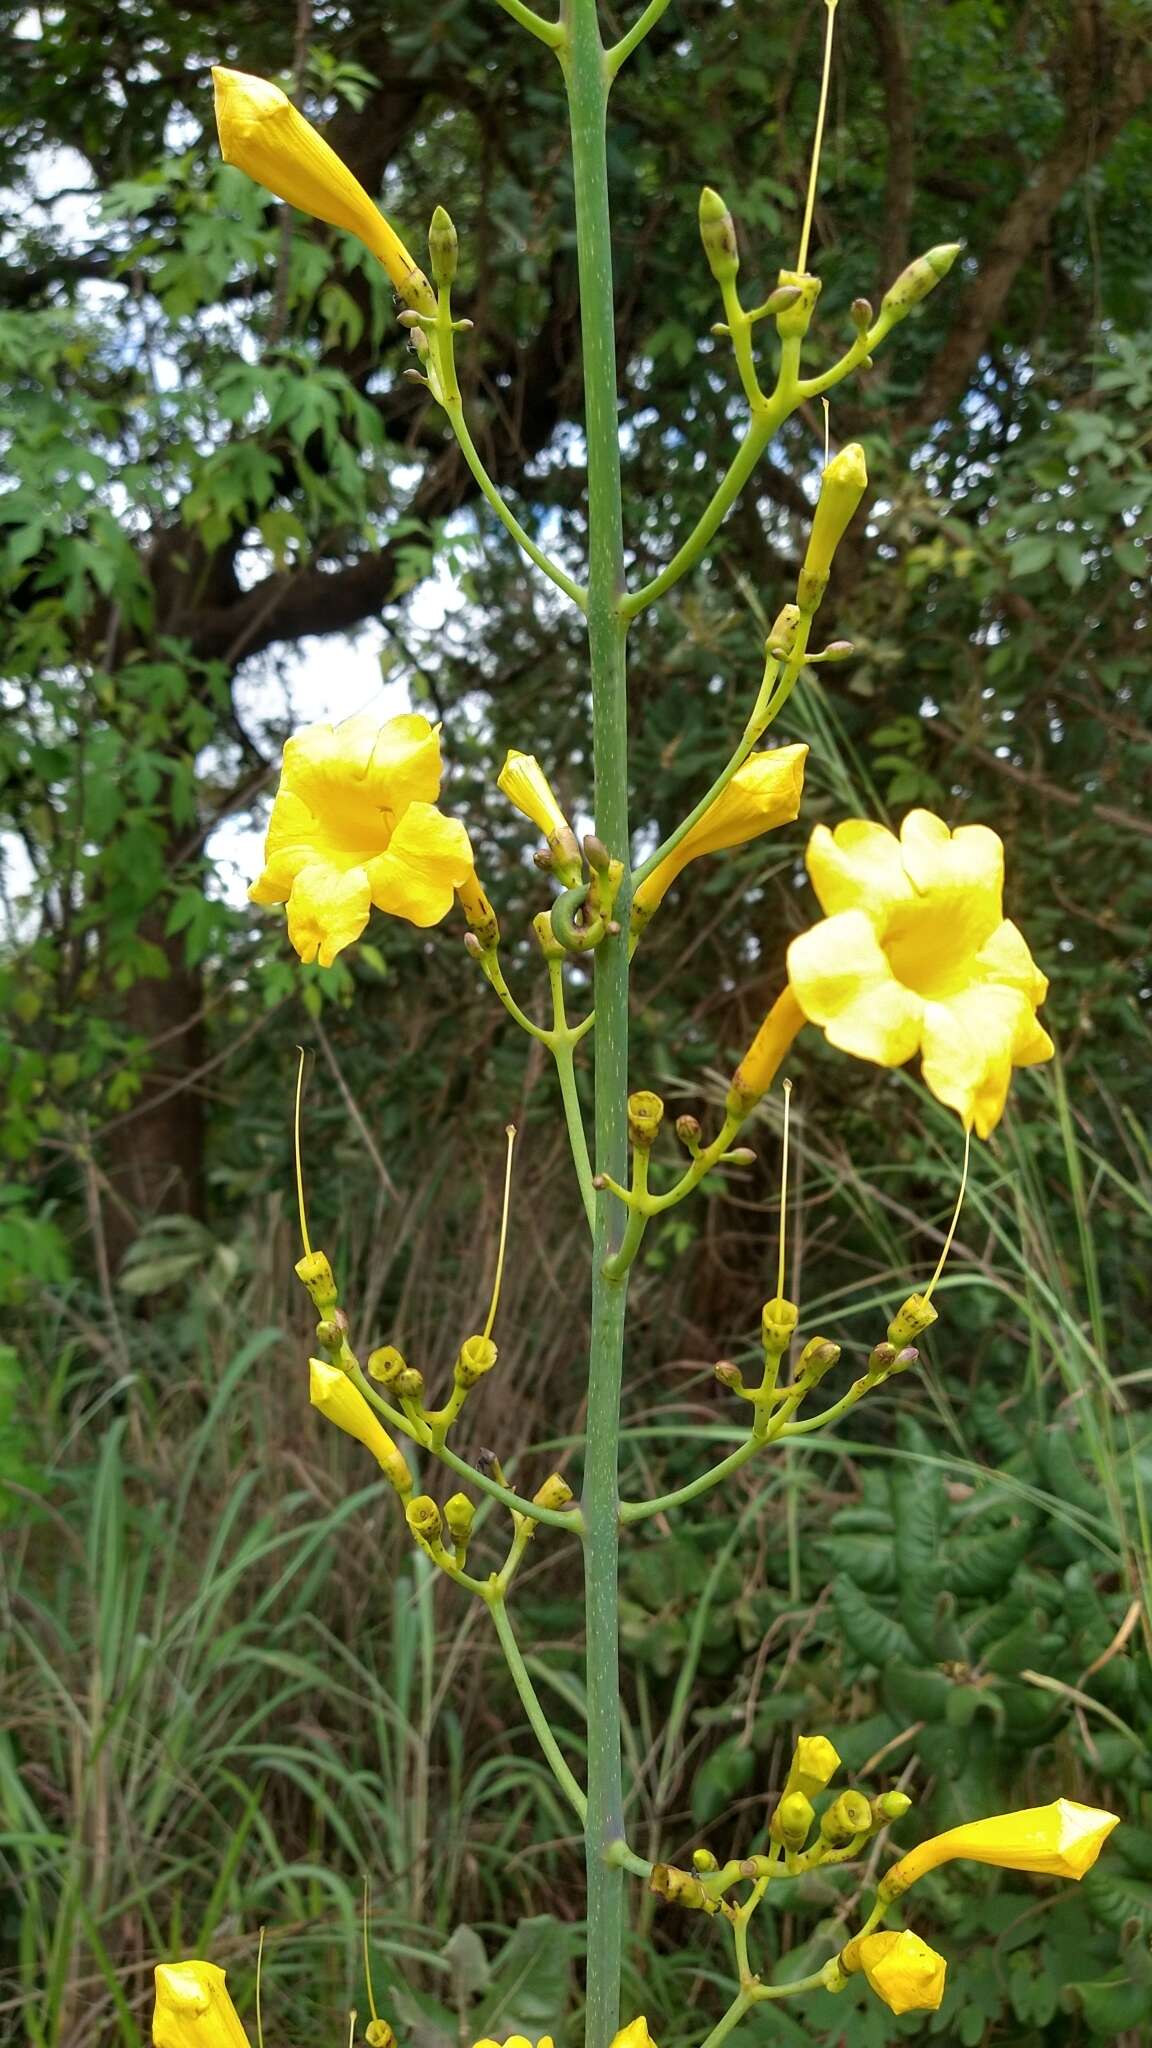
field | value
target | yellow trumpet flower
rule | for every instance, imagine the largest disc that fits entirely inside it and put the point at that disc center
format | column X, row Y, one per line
column 762, row 794
column 525, row 784
column 262, row 133
column 355, row 824
column 1060, row 1840
column 193, row 2009
column 916, row 955
column 332, row 1392
column 903, row 1971
column 635, row 2035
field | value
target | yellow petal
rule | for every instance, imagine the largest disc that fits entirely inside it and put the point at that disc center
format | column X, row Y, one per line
column 903, row 1971
column 376, row 768
column 763, row 794
column 857, row 867
column 634, row 2035
column 970, row 1045
column 262, row 133
column 1004, row 957
column 332, row 1392
column 525, row 784
column 428, row 858
column 327, row 909
column 193, row 2009
column 842, row 981
column 1060, row 1840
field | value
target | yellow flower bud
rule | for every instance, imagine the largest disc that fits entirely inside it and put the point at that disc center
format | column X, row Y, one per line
column 916, row 1316
column 922, row 276
column 778, row 1320
column 459, row 1515
column 792, row 1821
column 555, row 1492
column 479, row 912
column 795, row 319
column 703, row 1861
column 645, row 1116
column 764, row 1057
column 378, row 2034
column 332, row 1392
column 763, row 794
column 634, row 2035
column 848, row 1816
column 262, row 133
column 317, row 1275
column 815, row 1762
column 193, row 2009
column 477, row 1356
column 1060, row 1840
column 525, row 784
column 423, row 1518
column 903, row 1971
column 842, row 486
column 442, row 247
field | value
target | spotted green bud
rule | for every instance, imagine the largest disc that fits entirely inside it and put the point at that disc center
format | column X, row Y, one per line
column 792, row 1821
column 861, row 312
column 477, row 1356
column 785, row 627
column 795, row 319
column 921, row 277
column 881, row 1359
column 442, row 247
column 688, row 1132
column 911, row 1321
column 317, row 1275
column 818, row 1357
column 645, row 1116
column 729, row 1375
column 848, row 1816
column 718, row 234
column 555, row 1492
column 890, row 1806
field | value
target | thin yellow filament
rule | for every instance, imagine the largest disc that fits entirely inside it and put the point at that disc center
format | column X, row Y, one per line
column 780, row 1296
column 259, row 1967
column 299, row 1167
column 827, row 428
column 955, row 1216
column 510, row 1134
column 802, row 259
column 367, row 1958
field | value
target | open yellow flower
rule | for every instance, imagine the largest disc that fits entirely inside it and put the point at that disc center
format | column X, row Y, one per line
column 916, row 955
column 635, row 2035
column 762, row 794
column 355, row 824
column 332, row 1392
column 903, row 1971
column 193, row 2009
column 262, row 133
column 1060, row 1840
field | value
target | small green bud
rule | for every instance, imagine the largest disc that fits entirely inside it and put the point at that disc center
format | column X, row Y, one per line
column 703, row 1860
column 645, row 1116
column 890, row 1806
column 881, row 1358
column 688, row 1132
column 778, row 1320
column 921, row 277
column 477, row 1356
column 837, row 650
column 596, row 854
column 906, row 1358
column 818, row 1357
column 729, row 1375
column 442, row 247
column 861, row 311
column 741, row 1155
column 848, row 1816
column 916, row 1316
column 317, row 1275
column 409, row 1383
column 423, row 1518
column 459, row 1514
column 718, row 234
column 842, row 486
column 792, row 1821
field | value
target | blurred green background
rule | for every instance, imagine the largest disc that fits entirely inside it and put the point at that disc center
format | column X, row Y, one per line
column 229, row 1691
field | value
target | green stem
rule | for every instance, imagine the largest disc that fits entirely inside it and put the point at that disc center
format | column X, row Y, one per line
column 562, row 1042
column 587, row 80
column 549, row 32
column 621, row 51
column 530, row 1701
column 503, row 512
column 732, row 2018
column 762, row 1434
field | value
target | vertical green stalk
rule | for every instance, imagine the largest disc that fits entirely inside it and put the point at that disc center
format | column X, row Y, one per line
column 587, row 79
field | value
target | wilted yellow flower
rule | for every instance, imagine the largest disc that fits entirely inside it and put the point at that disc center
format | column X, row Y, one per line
column 332, row 1392
column 262, row 133
column 762, row 794
column 355, row 824
column 903, row 1971
column 193, row 2009
column 1061, row 1840
column 915, row 955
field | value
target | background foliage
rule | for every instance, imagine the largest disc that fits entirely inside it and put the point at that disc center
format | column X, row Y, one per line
column 229, row 1689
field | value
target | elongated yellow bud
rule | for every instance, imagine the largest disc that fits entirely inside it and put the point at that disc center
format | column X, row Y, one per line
column 479, row 912
column 718, row 234
column 332, row 1392
column 1061, row 1840
column 911, row 1320
column 763, row 794
column 922, row 276
column 761, row 1063
column 842, row 486
column 792, row 1821
column 815, row 1762
column 193, row 2009
column 554, row 1493
column 262, row 133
